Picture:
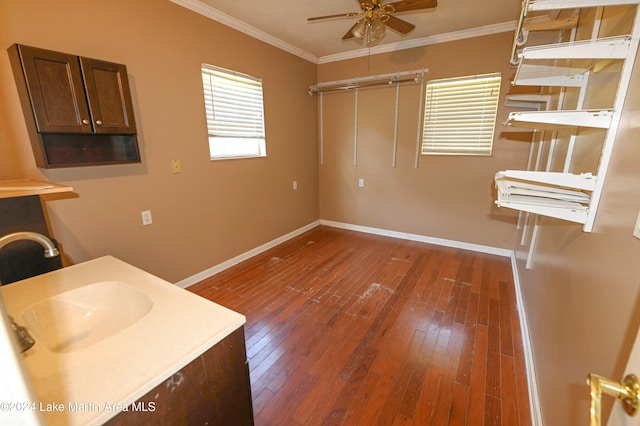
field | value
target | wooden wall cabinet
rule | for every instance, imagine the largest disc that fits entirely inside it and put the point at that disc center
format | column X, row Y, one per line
column 78, row 110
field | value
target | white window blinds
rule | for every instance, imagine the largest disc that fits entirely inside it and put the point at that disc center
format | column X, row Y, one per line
column 235, row 117
column 460, row 115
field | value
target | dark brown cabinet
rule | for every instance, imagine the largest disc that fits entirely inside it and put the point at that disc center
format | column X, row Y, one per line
column 214, row 389
column 108, row 93
column 78, row 110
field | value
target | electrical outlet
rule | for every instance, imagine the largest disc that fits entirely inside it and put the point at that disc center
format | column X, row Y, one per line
column 295, row 185
column 361, row 183
column 146, row 217
column 176, row 167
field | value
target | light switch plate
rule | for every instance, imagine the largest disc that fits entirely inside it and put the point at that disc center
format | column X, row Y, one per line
column 176, row 167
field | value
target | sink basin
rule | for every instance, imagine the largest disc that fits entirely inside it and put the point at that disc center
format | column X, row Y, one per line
column 82, row 317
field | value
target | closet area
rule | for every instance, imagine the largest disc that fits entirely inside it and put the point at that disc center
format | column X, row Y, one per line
column 570, row 93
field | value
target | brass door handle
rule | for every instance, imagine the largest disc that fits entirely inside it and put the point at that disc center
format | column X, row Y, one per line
column 628, row 392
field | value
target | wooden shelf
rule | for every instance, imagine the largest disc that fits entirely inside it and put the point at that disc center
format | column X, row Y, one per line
column 26, row 187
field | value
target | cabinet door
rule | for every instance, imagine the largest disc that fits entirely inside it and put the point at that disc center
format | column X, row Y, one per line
column 109, row 96
column 54, row 82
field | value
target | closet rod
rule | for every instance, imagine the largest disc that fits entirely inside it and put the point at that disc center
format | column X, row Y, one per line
column 378, row 80
column 357, row 85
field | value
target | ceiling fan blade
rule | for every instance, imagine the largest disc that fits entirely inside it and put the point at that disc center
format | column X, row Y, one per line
column 407, row 5
column 401, row 26
column 349, row 34
column 340, row 15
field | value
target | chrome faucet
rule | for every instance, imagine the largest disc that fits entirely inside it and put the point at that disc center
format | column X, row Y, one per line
column 25, row 341
column 50, row 250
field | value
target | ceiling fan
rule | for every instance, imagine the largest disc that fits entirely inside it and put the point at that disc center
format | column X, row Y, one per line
column 375, row 16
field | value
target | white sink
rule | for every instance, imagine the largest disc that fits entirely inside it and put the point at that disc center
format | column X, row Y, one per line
column 79, row 318
column 107, row 333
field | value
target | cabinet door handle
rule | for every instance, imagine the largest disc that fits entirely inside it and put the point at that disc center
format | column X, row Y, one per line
column 628, row 392
column 99, row 122
column 85, row 121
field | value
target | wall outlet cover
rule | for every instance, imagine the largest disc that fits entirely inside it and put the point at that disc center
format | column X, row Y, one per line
column 146, row 217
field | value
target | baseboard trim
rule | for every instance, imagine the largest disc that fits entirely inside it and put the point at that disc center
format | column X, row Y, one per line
column 244, row 256
column 369, row 230
column 420, row 238
column 534, row 401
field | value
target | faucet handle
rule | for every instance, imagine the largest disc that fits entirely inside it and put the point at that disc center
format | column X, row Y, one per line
column 25, row 341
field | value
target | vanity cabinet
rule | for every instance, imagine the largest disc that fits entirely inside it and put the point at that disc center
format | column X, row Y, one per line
column 213, row 389
column 78, row 110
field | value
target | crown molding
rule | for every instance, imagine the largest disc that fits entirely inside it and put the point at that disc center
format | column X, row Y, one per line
column 223, row 18
column 419, row 42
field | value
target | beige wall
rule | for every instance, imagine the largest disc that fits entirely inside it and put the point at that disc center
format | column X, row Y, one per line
column 211, row 212
column 445, row 197
column 581, row 294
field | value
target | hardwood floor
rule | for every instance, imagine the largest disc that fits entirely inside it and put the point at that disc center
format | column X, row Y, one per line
column 356, row 329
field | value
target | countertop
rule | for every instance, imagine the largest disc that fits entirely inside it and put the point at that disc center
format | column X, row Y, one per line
column 25, row 187
column 90, row 385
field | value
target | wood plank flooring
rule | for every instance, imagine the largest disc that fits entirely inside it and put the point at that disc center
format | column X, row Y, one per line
column 346, row 328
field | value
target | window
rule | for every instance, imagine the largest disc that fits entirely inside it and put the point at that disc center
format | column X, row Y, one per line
column 460, row 115
column 235, row 117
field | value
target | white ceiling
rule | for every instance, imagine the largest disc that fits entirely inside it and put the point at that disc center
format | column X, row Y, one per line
column 284, row 24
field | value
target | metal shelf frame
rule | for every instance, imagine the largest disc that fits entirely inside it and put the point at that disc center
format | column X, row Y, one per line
column 600, row 119
column 537, row 5
column 555, row 66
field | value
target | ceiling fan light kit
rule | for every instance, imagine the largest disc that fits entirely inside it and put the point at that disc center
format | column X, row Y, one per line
column 374, row 18
column 369, row 31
